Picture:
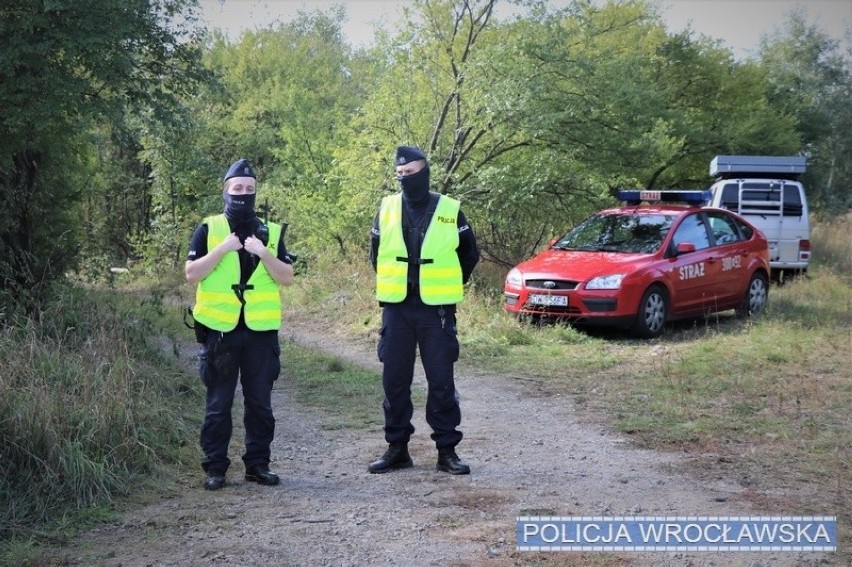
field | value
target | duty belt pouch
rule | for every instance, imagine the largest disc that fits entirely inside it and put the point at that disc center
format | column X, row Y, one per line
column 221, row 363
column 201, row 332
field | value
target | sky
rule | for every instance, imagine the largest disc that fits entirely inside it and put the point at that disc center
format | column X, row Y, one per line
column 739, row 24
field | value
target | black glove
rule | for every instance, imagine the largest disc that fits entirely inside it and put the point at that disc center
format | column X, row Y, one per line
column 261, row 232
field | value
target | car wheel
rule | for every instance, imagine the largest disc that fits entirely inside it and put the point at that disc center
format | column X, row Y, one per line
column 653, row 310
column 757, row 293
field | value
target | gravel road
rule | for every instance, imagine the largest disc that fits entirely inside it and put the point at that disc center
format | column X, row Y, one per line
column 529, row 454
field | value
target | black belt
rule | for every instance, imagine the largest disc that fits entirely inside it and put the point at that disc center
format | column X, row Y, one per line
column 417, row 261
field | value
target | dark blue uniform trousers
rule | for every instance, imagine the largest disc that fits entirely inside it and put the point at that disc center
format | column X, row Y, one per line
column 259, row 363
column 406, row 326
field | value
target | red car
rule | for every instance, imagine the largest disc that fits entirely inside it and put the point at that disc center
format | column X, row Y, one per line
column 641, row 265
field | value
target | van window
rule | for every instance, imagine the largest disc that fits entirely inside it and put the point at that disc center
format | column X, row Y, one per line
column 730, row 196
column 792, row 201
column 763, row 198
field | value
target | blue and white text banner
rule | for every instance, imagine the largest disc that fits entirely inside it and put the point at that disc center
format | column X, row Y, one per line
column 701, row 533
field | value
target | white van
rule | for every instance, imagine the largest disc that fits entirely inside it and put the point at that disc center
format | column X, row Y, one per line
column 767, row 192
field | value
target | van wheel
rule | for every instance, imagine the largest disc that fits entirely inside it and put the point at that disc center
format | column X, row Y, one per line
column 757, row 293
column 781, row 277
column 653, row 310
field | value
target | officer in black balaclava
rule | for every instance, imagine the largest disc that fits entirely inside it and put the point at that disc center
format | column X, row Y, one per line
column 237, row 264
column 423, row 250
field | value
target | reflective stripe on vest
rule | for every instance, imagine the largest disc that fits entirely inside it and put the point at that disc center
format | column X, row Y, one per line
column 441, row 279
column 216, row 303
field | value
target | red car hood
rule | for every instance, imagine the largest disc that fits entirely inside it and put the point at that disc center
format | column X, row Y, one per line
column 578, row 265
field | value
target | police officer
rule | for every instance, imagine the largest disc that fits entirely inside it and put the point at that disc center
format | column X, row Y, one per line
column 238, row 262
column 423, row 251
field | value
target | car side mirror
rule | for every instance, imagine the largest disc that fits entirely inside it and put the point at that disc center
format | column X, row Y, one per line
column 553, row 241
column 685, row 248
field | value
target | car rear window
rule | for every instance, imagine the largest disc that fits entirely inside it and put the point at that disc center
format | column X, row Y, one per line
column 619, row 232
column 724, row 228
column 745, row 229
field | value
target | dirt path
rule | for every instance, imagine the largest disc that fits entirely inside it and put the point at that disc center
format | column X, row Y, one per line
column 529, row 454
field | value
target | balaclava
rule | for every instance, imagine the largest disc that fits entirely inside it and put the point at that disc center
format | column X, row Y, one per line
column 239, row 208
column 415, row 187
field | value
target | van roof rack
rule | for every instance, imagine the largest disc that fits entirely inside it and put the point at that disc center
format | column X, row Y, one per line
column 780, row 167
column 689, row 196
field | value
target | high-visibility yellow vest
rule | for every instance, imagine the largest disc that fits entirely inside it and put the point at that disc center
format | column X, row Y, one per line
column 216, row 303
column 440, row 273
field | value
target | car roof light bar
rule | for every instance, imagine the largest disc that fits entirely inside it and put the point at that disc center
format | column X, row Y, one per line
column 692, row 197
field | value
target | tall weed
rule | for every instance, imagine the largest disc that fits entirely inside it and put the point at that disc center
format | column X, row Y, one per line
column 831, row 245
column 91, row 406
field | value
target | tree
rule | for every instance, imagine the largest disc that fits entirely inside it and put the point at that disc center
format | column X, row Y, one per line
column 809, row 79
column 432, row 94
column 283, row 99
column 67, row 66
column 607, row 99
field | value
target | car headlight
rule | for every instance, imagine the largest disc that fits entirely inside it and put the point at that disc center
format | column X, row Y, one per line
column 605, row 282
column 514, row 278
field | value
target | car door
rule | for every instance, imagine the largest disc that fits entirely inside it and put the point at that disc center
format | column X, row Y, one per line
column 696, row 274
column 731, row 256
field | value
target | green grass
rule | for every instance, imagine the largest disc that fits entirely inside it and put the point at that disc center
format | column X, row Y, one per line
column 349, row 396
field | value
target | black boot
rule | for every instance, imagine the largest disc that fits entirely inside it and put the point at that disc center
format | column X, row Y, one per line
column 396, row 457
column 449, row 462
column 214, row 481
column 262, row 475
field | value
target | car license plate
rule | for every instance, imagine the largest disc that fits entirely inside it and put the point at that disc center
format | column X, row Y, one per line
column 549, row 300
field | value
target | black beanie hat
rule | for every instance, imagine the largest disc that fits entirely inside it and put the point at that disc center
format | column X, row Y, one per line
column 407, row 154
column 239, row 168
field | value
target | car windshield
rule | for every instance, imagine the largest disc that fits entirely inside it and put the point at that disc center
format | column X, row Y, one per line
column 619, row 232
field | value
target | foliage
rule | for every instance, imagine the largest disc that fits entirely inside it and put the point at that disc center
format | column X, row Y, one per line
column 91, row 408
column 424, row 98
column 282, row 101
column 70, row 67
column 118, row 134
column 537, row 115
column 810, row 79
column 831, row 243
column 610, row 99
